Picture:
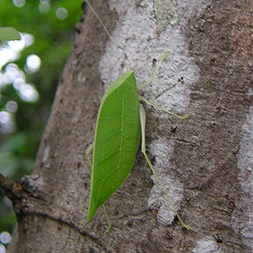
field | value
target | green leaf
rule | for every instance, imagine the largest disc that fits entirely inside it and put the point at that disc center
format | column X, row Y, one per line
column 117, row 140
column 9, row 33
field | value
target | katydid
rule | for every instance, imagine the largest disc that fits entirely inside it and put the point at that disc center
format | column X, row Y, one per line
column 119, row 128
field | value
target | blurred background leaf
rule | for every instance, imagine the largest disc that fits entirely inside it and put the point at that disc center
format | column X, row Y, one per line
column 47, row 29
column 9, row 33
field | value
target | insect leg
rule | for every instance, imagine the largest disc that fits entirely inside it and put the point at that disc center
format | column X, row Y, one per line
column 154, row 75
column 109, row 223
column 160, row 108
column 88, row 151
column 143, row 150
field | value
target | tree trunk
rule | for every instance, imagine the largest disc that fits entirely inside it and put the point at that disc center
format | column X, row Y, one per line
column 205, row 162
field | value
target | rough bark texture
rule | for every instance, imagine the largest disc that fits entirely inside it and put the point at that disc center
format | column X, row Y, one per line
column 205, row 164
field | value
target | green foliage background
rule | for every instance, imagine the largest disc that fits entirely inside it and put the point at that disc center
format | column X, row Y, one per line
column 53, row 40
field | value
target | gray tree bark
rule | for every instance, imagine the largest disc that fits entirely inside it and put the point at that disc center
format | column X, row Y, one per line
column 205, row 165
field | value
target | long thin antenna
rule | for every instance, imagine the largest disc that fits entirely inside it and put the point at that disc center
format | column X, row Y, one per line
column 101, row 22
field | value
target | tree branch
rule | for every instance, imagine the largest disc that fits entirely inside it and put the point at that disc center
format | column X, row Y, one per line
column 11, row 189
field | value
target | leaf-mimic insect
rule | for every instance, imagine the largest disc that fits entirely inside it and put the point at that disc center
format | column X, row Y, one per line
column 120, row 125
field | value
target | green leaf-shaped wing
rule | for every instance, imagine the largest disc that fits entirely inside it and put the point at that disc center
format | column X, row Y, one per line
column 117, row 140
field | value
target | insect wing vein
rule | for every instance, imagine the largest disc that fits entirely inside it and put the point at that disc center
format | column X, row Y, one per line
column 116, row 140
